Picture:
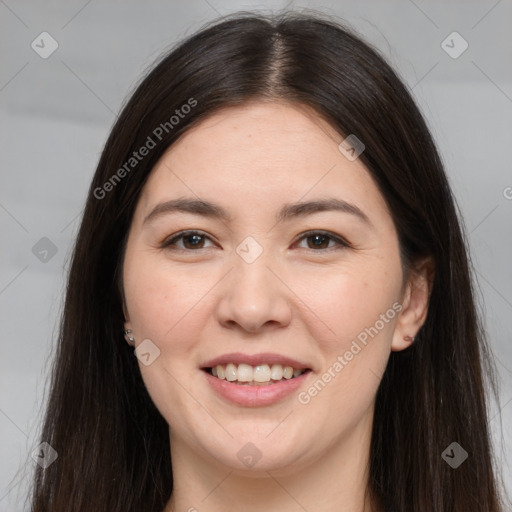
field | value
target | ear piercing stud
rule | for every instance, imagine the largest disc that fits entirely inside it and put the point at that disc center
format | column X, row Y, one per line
column 130, row 339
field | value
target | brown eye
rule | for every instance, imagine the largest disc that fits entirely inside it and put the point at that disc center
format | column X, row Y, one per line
column 192, row 240
column 317, row 241
column 320, row 240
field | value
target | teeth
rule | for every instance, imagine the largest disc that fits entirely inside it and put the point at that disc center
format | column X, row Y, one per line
column 230, row 372
column 276, row 372
column 244, row 373
column 260, row 374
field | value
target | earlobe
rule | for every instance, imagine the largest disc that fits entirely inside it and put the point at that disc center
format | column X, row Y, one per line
column 128, row 335
column 415, row 305
column 127, row 331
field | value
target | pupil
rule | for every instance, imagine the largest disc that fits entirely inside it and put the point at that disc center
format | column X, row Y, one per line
column 319, row 240
column 196, row 237
column 316, row 238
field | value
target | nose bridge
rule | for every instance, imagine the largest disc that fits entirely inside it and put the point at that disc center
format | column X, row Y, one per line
column 252, row 296
column 252, row 262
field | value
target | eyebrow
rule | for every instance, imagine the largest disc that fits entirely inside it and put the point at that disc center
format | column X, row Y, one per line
column 288, row 211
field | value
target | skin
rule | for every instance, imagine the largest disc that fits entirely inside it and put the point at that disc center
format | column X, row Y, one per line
column 294, row 299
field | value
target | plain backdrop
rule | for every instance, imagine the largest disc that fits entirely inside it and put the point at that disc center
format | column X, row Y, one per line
column 56, row 113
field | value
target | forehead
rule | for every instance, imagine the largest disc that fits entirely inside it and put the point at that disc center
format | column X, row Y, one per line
column 257, row 155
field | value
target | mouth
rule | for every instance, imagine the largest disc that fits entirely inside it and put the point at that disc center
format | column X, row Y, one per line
column 255, row 380
column 259, row 375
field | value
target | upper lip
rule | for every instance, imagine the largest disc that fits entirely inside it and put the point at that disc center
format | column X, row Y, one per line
column 255, row 360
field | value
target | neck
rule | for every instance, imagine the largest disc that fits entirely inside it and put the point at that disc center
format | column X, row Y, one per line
column 335, row 481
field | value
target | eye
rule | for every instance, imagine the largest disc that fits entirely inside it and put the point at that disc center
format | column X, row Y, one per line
column 321, row 238
column 192, row 240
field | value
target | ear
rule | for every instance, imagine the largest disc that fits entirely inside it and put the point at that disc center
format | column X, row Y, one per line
column 123, row 304
column 127, row 324
column 125, row 313
column 415, row 302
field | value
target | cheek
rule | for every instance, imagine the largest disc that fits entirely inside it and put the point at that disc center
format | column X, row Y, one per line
column 360, row 312
column 347, row 300
column 165, row 306
column 162, row 299
column 356, row 310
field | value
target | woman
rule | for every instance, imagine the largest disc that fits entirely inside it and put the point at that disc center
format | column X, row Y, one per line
column 270, row 229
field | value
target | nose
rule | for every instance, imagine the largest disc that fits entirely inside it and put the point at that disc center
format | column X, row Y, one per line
column 254, row 297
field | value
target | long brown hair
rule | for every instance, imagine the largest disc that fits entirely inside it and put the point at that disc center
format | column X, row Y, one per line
column 112, row 442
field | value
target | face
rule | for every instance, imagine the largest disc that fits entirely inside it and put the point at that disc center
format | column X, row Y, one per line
column 319, row 290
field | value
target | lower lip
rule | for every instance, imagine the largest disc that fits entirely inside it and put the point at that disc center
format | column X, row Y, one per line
column 255, row 396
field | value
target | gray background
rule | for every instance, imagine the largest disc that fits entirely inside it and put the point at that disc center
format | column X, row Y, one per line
column 56, row 114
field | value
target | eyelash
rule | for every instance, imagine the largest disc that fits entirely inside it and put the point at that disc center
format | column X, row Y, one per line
column 168, row 243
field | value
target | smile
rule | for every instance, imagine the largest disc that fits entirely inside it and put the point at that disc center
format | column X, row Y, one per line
column 260, row 375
